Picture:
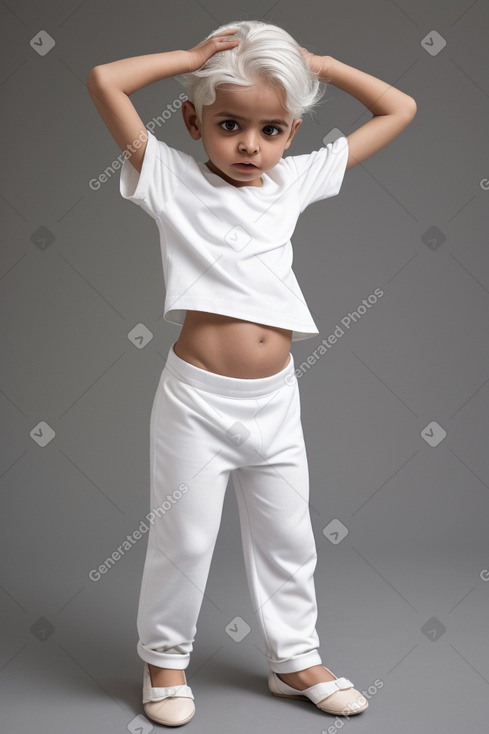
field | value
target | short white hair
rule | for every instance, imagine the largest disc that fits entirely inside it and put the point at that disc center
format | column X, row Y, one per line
column 265, row 53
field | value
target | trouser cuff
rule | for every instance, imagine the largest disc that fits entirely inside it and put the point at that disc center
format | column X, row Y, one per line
column 179, row 661
column 300, row 662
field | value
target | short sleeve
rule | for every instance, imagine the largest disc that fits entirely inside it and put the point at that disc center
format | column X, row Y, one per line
column 161, row 174
column 320, row 174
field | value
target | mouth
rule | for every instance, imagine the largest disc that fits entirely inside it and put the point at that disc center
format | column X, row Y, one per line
column 245, row 166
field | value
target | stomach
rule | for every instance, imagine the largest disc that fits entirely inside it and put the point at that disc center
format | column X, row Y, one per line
column 233, row 347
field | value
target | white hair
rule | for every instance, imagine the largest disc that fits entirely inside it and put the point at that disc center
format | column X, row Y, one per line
column 265, row 53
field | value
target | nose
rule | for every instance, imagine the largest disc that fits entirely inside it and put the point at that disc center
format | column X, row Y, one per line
column 249, row 142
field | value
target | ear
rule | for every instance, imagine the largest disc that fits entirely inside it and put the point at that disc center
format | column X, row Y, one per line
column 295, row 126
column 191, row 120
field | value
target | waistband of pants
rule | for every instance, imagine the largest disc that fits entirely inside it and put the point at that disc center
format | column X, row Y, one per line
column 238, row 387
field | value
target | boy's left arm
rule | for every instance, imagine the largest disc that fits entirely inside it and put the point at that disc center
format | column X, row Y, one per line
column 392, row 109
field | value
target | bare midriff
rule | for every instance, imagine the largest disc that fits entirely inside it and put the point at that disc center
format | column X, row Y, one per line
column 233, row 347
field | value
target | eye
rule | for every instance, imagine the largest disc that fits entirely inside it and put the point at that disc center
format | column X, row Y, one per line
column 228, row 122
column 272, row 127
column 267, row 127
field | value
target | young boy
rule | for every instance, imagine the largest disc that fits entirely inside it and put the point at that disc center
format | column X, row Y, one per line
column 228, row 403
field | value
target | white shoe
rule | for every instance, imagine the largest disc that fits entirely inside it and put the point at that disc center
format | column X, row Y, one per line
column 172, row 705
column 333, row 696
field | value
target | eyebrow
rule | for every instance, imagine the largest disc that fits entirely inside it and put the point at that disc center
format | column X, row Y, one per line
column 239, row 117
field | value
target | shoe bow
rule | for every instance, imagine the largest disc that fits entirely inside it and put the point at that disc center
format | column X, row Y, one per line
column 320, row 691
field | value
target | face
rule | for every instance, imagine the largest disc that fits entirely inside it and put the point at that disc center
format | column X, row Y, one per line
column 244, row 125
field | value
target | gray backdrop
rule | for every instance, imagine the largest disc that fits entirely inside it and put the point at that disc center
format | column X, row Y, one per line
column 395, row 413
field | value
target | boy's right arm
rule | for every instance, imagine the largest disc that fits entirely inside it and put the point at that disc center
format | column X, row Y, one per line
column 110, row 85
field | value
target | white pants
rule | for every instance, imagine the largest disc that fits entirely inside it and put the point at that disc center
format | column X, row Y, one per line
column 205, row 427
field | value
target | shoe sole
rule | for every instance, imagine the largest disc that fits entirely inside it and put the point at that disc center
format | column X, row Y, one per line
column 293, row 697
column 305, row 698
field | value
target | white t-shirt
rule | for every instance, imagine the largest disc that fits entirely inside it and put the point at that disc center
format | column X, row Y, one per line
column 227, row 249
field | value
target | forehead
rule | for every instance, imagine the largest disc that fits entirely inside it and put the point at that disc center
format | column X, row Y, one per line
column 256, row 102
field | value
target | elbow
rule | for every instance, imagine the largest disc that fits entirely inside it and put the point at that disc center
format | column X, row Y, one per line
column 406, row 112
column 411, row 107
column 93, row 76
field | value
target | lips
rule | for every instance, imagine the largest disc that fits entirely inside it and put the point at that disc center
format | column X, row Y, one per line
column 245, row 165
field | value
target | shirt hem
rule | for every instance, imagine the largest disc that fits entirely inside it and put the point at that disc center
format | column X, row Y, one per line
column 300, row 330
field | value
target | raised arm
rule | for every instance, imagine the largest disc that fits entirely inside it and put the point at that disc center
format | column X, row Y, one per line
column 110, row 85
column 392, row 109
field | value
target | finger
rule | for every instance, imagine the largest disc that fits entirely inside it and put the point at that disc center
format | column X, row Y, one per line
column 226, row 41
column 228, row 32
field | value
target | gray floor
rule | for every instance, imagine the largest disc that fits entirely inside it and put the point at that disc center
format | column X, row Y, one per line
column 373, row 606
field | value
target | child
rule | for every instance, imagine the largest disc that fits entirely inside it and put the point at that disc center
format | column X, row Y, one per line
column 227, row 402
